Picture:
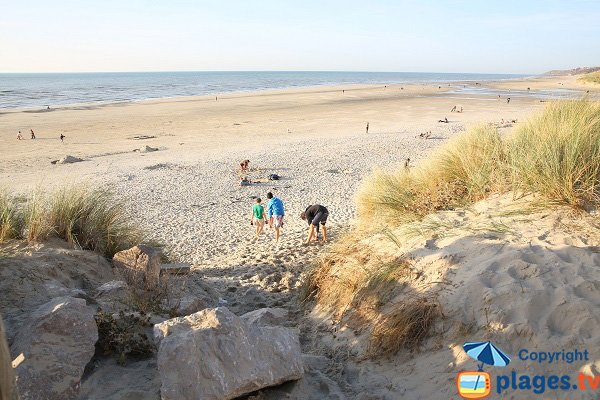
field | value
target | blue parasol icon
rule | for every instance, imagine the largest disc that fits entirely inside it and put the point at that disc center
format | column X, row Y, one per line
column 486, row 353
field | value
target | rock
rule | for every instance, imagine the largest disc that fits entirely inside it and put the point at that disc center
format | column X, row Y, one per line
column 191, row 304
column 57, row 342
column 175, row 269
column 113, row 296
column 140, row 261
column 67, row 160
column 266, row 317
column 111, row 286
column 146, row 149
column 213, row 354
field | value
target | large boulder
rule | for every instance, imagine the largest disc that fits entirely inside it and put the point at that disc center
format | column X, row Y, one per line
column 140, row 262
column 266, row 316
column 213, row 354
column 57, row 342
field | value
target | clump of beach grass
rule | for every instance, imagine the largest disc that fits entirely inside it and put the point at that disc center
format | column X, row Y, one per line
column 36, row 223
column 464, row 171
column 90, row 219
column 593, row 77
column 405, row 326
column 10, row 223
column 556, row 155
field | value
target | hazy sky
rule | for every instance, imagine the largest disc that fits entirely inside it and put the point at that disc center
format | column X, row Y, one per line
column 504, row 36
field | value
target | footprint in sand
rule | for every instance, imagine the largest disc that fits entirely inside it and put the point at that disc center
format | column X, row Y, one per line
column 589, row 290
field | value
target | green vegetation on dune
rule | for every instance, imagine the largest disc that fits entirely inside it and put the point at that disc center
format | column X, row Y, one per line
column 89, row 219
column 556, row 154
column 593, row 77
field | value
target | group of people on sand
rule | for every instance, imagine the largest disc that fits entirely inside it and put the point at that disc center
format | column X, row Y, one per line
column 20, row 136
column 455, row 109
column 425, row 135
column 315, row 214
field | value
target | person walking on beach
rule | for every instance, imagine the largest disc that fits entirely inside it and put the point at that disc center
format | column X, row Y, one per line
column 258, row 216
column 367, row 127
column 32, row 134
column 315, row 215
column 62, row 138
column 507, row 100
column 19, row 136
column 275, row 212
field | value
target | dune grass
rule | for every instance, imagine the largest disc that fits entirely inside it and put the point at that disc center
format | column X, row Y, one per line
column 593, row 77
column 9, row 218
column 90, row 219
column 466, row 170
column 555, row 155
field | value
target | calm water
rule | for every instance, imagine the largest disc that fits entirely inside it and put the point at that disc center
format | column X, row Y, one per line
column 40, row 90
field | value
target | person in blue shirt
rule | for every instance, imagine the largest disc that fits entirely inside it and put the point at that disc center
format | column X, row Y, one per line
column 275, row 213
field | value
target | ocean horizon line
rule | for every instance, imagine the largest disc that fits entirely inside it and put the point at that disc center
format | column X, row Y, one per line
column 266, row 71
column 36, row 90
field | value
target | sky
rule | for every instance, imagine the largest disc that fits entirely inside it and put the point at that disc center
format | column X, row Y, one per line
column 495, row 36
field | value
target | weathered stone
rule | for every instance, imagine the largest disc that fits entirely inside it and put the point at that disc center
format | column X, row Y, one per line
column 213, row 354
column 266, row 316
column 110, row 287
column 175, row 269
column 113, row 296
column 146, row 149
column 191, row 304
column 57, row 342
column 67, row 160
column 140, row 260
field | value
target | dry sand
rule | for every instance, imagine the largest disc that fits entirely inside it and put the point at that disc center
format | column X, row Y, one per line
column 186, row 194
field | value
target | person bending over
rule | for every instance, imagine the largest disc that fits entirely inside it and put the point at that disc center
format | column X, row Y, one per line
column 315, row 214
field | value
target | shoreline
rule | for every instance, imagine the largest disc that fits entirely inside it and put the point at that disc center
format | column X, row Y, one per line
column 327, row 87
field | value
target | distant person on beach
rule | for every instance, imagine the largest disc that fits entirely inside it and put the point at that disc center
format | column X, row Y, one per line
column 453, row 109
column 244, row 166
column 32, row 134
column 62, row 138
column 258, row 216
column 507, row 100
column 367, row 127
column 343, row 91
column 445, row 120
column 407, row 164
column 275, row 212
column 315, row 215
column 19, row 136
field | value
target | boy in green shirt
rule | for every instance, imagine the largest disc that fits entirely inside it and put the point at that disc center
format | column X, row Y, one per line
column 258, row 216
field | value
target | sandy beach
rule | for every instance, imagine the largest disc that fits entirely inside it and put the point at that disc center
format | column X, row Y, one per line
column 186, row 194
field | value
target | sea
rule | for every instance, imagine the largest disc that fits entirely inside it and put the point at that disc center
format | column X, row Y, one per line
column 41, row 90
